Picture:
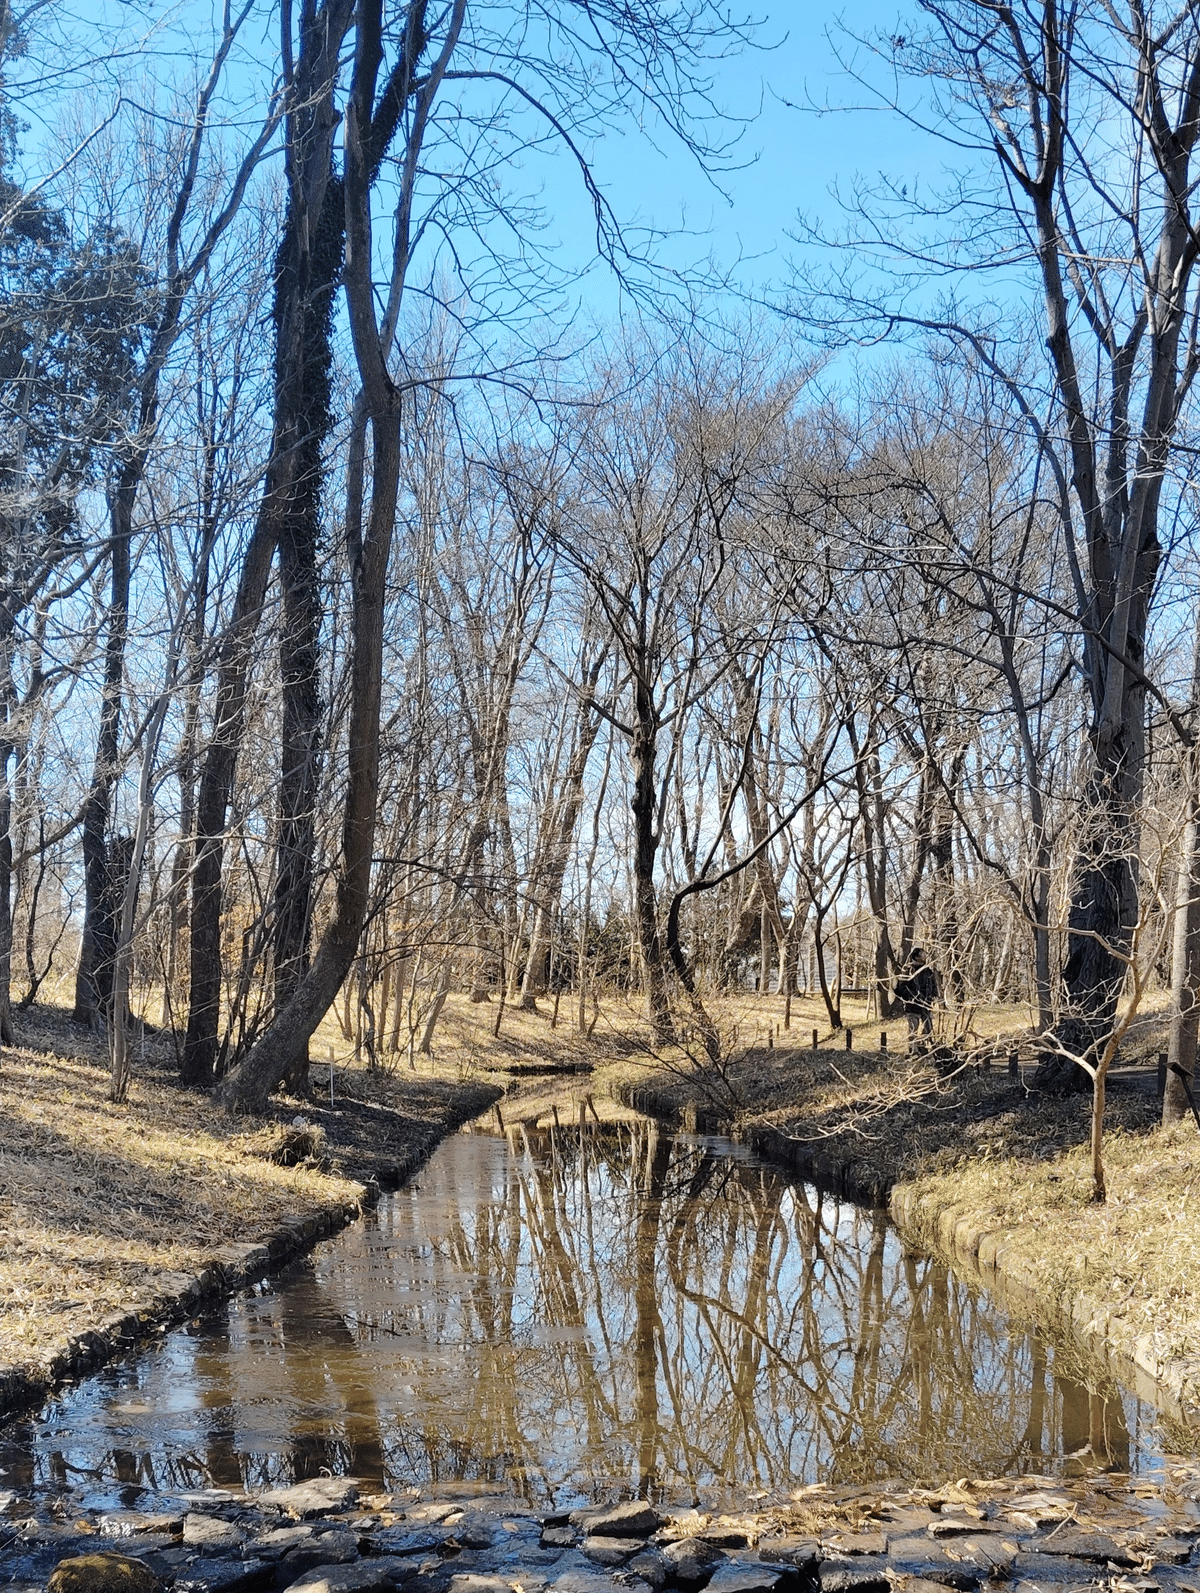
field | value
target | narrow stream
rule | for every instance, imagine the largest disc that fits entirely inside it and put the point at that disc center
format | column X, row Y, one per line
column 574, row 1309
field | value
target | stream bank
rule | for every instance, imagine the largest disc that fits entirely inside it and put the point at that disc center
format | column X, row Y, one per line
column 118, row 1221
column 1031, row 1534
column 995, row 1180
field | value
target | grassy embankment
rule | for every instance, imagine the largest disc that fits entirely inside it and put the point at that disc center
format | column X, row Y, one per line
column 108, row 1209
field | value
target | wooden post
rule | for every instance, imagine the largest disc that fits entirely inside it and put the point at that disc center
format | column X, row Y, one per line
column 1014, row 1065
column 1162, row 1074
column 770, row 1037
column 849, row 1039
column 814, row 1039
column 883, row 1041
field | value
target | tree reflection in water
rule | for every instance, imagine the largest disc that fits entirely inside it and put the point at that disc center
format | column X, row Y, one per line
column 572, row 1308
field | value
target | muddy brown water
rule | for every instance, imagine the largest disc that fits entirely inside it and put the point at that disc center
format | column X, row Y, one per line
column 573, row 1310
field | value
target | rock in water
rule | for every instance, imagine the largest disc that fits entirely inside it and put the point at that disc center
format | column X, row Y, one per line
column 367, row 1576
column 611, row 1551
column 746, row 1576
column 225, row 1576
column 102, row 1573
column 633, row 1519
column 209, row 1534
column 322, row 1496
column 691, row 1561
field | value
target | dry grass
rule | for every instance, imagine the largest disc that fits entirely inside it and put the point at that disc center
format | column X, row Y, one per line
column 98, row 1201
column 1140, row 1251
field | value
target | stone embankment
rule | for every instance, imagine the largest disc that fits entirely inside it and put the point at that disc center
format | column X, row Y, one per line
column 1025, row 1534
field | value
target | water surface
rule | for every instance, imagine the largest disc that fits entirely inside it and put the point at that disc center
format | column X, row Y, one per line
column 571, row 1310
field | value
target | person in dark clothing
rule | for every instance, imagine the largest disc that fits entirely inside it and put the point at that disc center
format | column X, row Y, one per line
column 917, row 992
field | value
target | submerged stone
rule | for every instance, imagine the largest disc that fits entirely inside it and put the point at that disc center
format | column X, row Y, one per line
column 399, row 1540
column 584, row 1582
column 225, row 1576
column 365, row 1576
column 738, row 1576
column 475, row 1531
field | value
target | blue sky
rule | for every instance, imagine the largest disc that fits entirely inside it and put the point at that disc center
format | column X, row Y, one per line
column 790, row 159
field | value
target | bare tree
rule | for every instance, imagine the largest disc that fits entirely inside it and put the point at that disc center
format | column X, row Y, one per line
column 1032, row 97
column 571, row 88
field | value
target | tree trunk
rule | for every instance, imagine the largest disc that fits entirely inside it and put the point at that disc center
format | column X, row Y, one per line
column 301, row 712
column 1185, row 968
column 261, row 1070
column 299, row 645
column 94, row 972
column 589, row 874
column 645, row 848
column 6, row 924
column 301, row 308
column 833, row 1006
column 562, row 824
column 435, row 1011
column 869, row 786
column 1103, row 913
column 212, row 802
